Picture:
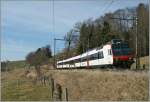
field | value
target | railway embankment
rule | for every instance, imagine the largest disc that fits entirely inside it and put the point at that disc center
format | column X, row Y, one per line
column 103, row 85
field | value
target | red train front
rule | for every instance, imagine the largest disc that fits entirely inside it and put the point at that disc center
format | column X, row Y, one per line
column 122, row 54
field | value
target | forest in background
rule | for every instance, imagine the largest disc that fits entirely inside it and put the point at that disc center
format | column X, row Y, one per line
column 123, row 24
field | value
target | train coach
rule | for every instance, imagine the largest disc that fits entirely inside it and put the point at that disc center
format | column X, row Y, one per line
column 114, row 53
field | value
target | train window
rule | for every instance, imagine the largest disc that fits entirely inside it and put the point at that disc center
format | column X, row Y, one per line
column 116, row 46
column 76, row 60
column 120, row 46
column 59, row 63
column 109, row 52
column 124, row 45
column 95, row 56
column 83, row 59
column 71, row 62
column 101, row 55
column 64, row 62
column 79, row 60
column 91, row 57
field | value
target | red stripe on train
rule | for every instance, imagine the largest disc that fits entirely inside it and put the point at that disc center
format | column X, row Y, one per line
column 122, row 57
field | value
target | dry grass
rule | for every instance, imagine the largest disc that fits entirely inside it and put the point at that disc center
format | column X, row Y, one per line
column 144, row 61
column 100, row 85
column 82, row 85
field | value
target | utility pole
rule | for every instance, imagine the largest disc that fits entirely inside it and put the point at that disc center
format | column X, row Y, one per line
column 7, row 66
column 69, row 42
column 137, row 55
column 54, row 53
column 55, row 50
column 136, row 41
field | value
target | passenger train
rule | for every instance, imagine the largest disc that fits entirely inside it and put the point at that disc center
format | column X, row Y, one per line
column 114, row 53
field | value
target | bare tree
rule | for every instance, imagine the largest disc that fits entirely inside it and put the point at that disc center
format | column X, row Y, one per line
column 39, row 57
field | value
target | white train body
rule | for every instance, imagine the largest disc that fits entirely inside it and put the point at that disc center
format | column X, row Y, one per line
column 82, row 60
column 102, row 56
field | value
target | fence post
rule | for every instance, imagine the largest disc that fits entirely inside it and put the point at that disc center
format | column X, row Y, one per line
column 66, row 94
column 57, row 93
column 52, row 87
column 18, row 83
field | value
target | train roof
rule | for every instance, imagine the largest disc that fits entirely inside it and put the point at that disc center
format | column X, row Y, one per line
column 69, row 59
column 81, row 55
column 89, row 52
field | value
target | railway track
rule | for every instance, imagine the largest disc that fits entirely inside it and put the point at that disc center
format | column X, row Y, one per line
column 100, row 68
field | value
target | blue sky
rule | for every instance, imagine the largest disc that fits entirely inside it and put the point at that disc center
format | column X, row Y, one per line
column 27, row 25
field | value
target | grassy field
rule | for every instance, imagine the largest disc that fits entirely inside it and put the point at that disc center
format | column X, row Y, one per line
column 11, row 65
column 17, row 64
column 18, row 88
column 82, row 85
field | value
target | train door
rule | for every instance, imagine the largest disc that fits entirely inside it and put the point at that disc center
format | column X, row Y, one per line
column 100, row 60
column 108, row 58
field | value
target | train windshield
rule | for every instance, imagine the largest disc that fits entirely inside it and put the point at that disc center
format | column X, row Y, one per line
column 121, row 49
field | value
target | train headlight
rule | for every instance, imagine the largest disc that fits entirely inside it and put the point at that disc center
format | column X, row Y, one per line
column 130, row 58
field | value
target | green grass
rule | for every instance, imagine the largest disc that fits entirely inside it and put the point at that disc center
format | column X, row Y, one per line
column 17, row 64
column 22, row 92
column 11, row 65
column 22, row 89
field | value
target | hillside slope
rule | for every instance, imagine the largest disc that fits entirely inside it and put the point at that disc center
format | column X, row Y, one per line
column 100, row 85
